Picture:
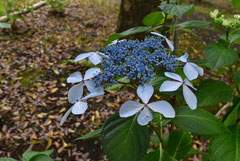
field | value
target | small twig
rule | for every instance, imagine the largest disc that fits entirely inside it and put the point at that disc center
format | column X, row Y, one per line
column 223, row 108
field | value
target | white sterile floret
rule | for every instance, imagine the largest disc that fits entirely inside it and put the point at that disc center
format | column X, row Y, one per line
column 191, row 70
column 79, row 104
column 169, row 86
column 94, row 57
column 116, row 41
column 170, row 44
column 145, row 92
column 89, row 74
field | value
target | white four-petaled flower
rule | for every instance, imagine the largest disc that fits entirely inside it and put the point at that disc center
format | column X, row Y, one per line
column 94, row 57
column 191, row 70
column 169, row 86
column 170, row 44
column 145, row 92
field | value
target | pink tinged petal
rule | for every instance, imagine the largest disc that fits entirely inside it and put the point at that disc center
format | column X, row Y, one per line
column 163, row 107
column 189, row 97
column 95, row 58
column 199, row 69
column 189, row 84
column 190, row 71
column 173, row 76
column 92, row 72
column 65, row 116
column 145, row 92
column 98, row 92
column 79, row 107
column 144, row 117
column 75, row 93
column 184, row 58
column 157, row 34
column 75, row 78
column 90, row 86
column 82, row 56
column 169, row 86
column 130, row 108
column 170, row 44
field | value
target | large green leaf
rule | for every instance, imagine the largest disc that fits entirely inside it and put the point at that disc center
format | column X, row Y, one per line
column 153, row 18
column 123, row 139
column 128, row 32
column 41, row 157
column 236, row 3
column 219, row 55
column 198, row 121
column 177, row 10
column 157, row 156
column 194, row 24
column 179, row 144
column 211, row 92
column 29, row 154
column 5, row 25
column 226, row 147
column 90, row 135
column 7, row 159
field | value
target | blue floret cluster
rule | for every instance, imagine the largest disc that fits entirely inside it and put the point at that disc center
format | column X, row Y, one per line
column 138, row 60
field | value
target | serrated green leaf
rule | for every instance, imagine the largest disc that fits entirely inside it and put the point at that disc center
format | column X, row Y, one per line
column 29, row 154
column 177, row 10
column 124, row 139
column 153, row 18
column 41, row 157
column 90, row 135
column 194, row 24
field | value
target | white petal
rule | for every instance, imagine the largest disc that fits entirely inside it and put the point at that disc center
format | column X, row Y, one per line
column 82, row 56
column 190, row 71
column 144, row 117
column 163, row 107
column 189, row 84
column 169, row 86
column 75, row 93
column 92, row 72
column 173, row 76
column 145, row 92
column 97, row 92
column 75, row 77
column 157, row 34
column 101, row 53
column 90, row 86
column 170, row 44
column 189, row 97
column 199, row 69
column 95, row 58
column 79, row 107
column 130, row 108
column 65, row 116
column 184, row 58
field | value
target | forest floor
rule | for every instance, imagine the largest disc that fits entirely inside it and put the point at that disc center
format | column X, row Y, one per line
column 34, row 64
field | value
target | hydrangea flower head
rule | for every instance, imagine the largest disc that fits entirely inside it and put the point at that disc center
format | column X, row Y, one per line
column 135, row 59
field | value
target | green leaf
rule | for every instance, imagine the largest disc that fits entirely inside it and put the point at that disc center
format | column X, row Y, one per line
column 41, row 157
column 153, row 18
column 157, row 156
column 236, row 4
column 177, row 10
column 198, row 121
column 226, row 147
column 236, row 79
column 157, row 80
column 128, row 32
column 219, row 55
column 5, row 25
column 123, row 139
column 194, row 24
column 90, row 135
column 232, row 115
column 211, row 92
column 29, row 154
column 179, row 143
column 192, row 152
column 7, row 159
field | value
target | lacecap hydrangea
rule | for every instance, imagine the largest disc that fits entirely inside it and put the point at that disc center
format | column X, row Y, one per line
column 139, row 61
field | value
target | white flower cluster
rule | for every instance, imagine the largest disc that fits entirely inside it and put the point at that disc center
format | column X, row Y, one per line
column 145, row 92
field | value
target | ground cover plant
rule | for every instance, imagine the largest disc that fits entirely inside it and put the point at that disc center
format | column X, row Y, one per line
column 173, row 101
